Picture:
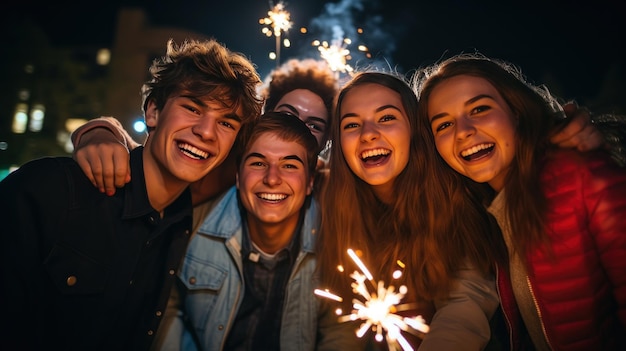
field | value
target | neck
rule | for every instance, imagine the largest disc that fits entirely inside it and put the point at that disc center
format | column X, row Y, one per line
column 272, row 237
column 384, row 193
column 215, row 182
column 162, row 187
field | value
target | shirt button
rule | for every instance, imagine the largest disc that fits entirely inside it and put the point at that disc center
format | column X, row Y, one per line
column 71, row 280
column 220, row 327
column 150, row 332
column 158, row 313
column 148, row 243
column 172, row 272
column 187, row 232
column 192, row 280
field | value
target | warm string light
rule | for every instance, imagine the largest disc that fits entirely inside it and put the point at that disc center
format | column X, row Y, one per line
column 378, row 307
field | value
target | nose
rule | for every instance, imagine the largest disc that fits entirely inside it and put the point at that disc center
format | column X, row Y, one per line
column 205, row 128
column 464, row 128
column 272, row 176
column 369, row 132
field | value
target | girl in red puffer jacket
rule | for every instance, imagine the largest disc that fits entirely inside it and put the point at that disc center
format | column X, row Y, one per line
column 562, row 213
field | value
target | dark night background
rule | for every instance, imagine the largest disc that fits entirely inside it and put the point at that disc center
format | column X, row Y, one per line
column 577, row 48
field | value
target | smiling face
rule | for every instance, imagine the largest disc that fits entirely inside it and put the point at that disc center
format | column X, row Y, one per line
column 274, row 181
column 310, row 108
column 191, row 137
column 375, row 135
column 474, row 128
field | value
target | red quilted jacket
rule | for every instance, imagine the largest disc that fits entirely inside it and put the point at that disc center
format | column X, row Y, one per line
column 581, row 292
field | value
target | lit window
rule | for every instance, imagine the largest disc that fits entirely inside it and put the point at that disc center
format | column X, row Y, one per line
column 36, row 118
column 20, row 118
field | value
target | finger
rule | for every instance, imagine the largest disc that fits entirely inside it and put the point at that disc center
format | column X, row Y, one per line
column 83, row 163
column 563, row 137
column 570, row 108
column 108, row 174
column 92, row 166
column 592, row 140
column 576, row 124
column 587, row 139
column 121, row 161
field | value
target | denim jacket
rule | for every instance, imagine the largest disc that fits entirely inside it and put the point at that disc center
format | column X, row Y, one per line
column 213, row 287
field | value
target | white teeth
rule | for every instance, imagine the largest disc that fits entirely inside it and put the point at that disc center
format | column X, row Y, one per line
column 474, row 149
column 193, row 151
column 272, row 197
column 375, row 152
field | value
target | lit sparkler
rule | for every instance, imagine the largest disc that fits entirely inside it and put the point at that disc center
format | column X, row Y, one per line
column 377, row 309
column 278, row 19
column 337, row 53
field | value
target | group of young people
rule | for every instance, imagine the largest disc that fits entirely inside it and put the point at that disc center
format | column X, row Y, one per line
column 415, row 181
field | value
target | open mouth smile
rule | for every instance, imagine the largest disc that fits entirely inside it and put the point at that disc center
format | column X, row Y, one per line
column 271, row 197
column 193, row 151
column 374, row 156
column 477, row 151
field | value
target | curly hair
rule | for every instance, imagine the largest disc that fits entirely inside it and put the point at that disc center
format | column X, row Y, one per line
column 309, row 74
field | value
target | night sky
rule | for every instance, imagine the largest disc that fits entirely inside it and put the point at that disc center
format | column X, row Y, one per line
column 576, row 48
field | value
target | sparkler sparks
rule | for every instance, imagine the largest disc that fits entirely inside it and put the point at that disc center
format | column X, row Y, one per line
column 335, row 54
column 377, row 311
column 279, row 20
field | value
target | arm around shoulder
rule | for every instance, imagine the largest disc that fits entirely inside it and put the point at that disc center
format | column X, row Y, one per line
column 109, row 123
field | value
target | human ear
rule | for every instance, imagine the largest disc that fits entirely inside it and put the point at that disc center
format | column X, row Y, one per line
column 152, row 114
column 309, row 188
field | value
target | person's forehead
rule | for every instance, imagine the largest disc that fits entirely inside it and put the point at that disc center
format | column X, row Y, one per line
column 274, row 144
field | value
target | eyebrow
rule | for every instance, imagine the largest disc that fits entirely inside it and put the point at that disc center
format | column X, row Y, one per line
column 289, row 107
column 288, row 157
column 196, row 100
column 381, row 108
column 297, row 113
column 468, row 102
column 316, row 119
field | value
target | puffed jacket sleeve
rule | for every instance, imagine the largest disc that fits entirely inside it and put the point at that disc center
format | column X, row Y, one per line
column 605, row 201
column 462, row 321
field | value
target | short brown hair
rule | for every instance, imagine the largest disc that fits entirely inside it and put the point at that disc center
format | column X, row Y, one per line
column 204, row 68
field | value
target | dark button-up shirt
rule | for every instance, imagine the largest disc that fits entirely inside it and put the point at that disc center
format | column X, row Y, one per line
column 82, row 270
column 258, row 322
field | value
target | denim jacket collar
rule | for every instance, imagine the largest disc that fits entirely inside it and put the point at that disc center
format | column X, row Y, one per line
column 224, row 221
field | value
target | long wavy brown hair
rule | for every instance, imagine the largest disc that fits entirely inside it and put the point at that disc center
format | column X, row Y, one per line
column 432, row 241
column 537, row 112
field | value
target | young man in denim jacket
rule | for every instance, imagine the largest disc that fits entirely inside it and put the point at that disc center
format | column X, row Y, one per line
column 247, row 279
